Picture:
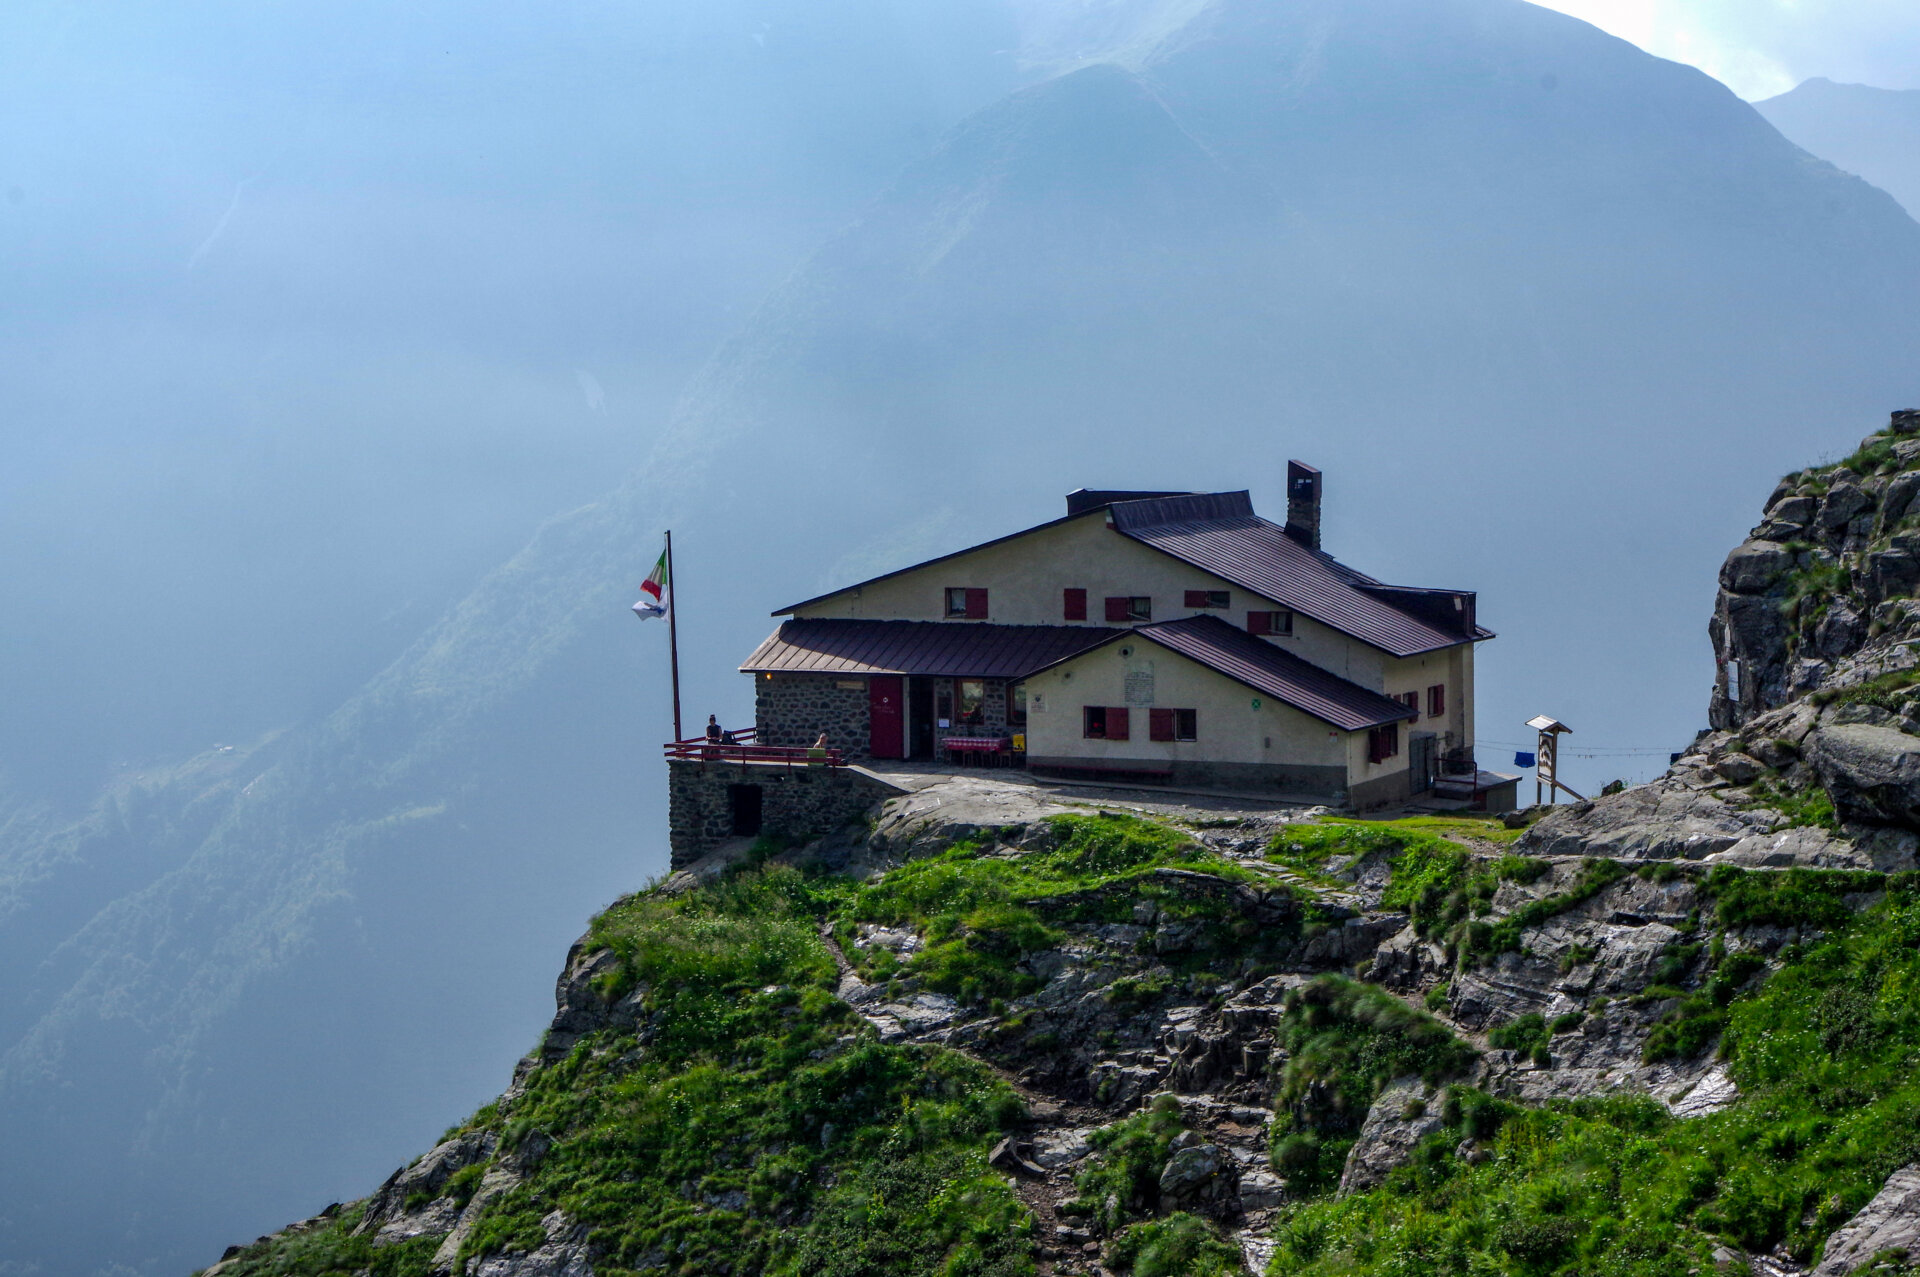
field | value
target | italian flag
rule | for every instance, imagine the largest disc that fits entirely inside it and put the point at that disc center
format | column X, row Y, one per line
column 653, row 592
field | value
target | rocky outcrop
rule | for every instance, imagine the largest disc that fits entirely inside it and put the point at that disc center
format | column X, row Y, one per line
column 1872, row 774
column 413, row 1201
column 1887, row 1225
column 1405, row 1113
column 1820, row 596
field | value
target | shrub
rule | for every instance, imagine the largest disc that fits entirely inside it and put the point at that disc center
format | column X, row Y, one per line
column 1181, row 1245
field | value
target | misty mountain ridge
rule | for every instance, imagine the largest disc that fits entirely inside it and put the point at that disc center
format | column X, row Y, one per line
column 1514, row 285
column 1872, row 132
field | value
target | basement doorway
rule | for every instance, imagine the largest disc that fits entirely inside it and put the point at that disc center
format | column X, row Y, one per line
column 743, row 801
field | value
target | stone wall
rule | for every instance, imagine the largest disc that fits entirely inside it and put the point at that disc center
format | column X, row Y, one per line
column 797, row 804
column 793, row 709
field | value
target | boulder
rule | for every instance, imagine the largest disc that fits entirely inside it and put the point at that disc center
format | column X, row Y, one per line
column 1755, row 566
column 1871, row 773
column 1843, row 502
column 1898, row 499
column 1792, row 511
column 1892, row 574
column 1647, row 822
column 1890, row 1222
column 1840, row 631
column 1404, row 1114
column 1741, row 769
column 1191, row 1170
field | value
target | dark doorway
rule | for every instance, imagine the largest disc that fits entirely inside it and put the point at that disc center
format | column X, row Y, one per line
column 744, row 801
column 1420, row 762
column 920, row 716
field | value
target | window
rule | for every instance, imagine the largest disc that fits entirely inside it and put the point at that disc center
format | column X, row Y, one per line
column 1122, row 607
column 966, row 604
column 1412, row 701
column 1173, row 724
column 1220, row 599
column 1016, row 704
column 1279, row 624
column 1074, row 605
column 970, row 699
column 1436, row 700
column 1383, row 743
column 1104, row 722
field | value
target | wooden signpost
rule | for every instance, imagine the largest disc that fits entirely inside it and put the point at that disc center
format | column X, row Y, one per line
column 1546, row 773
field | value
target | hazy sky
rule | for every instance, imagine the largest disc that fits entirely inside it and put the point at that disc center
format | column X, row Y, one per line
column 1763, row 47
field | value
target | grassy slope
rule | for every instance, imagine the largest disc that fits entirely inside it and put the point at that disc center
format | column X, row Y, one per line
column 755, row 1125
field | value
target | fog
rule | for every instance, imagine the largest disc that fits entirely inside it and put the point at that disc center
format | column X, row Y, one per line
column 356, row 357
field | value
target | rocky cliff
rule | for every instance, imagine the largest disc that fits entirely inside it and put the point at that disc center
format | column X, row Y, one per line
column 1005, row 1030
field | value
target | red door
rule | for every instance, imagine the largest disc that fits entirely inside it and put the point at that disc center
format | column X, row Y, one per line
column 886, row 730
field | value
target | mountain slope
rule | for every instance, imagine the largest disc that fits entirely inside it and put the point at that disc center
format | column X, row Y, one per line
column 1872, row 132
column 1516, row 340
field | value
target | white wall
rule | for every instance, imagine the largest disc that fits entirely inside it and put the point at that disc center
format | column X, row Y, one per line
column 1230, row 728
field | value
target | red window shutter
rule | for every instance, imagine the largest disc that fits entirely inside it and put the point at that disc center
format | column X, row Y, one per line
column 1159, row 724
column 1436, row 700
column 1117, row 607
column 1075, row 605
column 1196, row 598
column 976, row 605
column 1259, row 622
column 1116, row 722
column 1412, row 701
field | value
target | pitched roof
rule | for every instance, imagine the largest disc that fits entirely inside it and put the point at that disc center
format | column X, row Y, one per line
column 1278, row 673
column 1219, row 532
column 976, row 650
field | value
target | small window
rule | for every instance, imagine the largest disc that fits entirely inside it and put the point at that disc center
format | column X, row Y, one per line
column 1074, row 605
column 1220, row 600
column 1436, row 700
column 1016, row 704
column 1383, row 743
column 1104, row 722
column 1412, row 701
column 943, row 704
column 1277, row 624
column 1122, row 608
column 966, row 604
column 970, row 700
column 1172, row 724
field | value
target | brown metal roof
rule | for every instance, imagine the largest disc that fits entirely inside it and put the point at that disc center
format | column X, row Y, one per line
column 966, row 649
column 1251, row 552
column 1278, row 673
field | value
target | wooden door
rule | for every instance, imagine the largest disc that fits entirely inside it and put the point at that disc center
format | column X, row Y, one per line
column 886, row 717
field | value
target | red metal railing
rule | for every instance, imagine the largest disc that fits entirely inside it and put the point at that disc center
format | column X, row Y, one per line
column 742, row 747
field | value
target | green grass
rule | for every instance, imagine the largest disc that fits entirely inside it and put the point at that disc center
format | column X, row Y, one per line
column 332, row 1251
column 1181, row 1245
column 1803, row 808
column 983, row 914
column 1825, row 1054
column 1345, row 1041
column 1121, row 1180
column 1887, row 691
column 755, row 1085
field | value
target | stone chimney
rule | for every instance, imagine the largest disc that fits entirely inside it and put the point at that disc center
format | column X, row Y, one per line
column 1303, row 503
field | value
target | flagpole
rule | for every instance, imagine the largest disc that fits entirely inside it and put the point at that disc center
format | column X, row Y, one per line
column 673, row 635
